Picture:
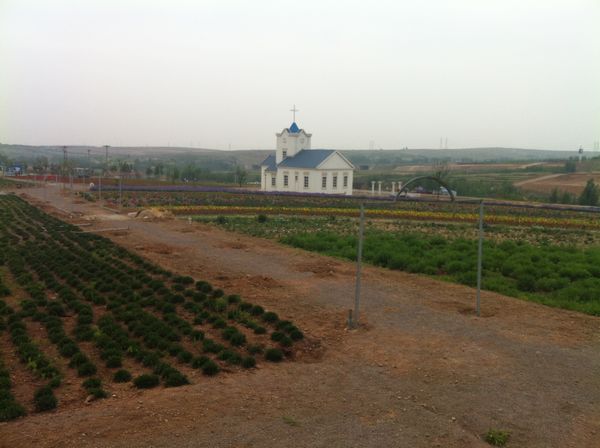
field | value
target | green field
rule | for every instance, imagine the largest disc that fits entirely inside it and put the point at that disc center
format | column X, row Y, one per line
column 556, row 267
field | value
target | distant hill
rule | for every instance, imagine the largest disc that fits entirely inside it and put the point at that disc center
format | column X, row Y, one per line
column 218, row 159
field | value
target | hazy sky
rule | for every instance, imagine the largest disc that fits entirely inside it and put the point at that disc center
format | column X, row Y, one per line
column 520, row 73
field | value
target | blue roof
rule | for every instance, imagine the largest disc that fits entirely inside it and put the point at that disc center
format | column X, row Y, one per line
column 306, row 158
column 270, row 163
column 294, row 129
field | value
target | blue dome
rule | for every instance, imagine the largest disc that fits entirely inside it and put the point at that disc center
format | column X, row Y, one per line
column 294, row 129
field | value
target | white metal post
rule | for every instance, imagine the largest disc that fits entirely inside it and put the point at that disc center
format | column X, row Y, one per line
column 361, row 230
column 479, row 258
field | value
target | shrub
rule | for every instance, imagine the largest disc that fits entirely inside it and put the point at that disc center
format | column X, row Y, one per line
column 92, row 383
column 114, row 361
column 122, row 376
column 10, row 410
column 184, row 356
column 277, row 336
column 97, row 392
column 210, row 368
column 199, row 361
column 248, row 362
column 78, row 359
column 233, row 298
column 274, row 355
column 260, row 330
column 146, row 381
column 296, row 335
column 257, row 310
column 255, row 349
column 285, row 341
column 44, row 399
column 261, row 218
column 497, row 437
column 86, row 369
column 270, row 317
column 237, row 339
column 175, row 379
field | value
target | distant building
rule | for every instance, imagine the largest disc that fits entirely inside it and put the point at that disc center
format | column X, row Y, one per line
column 16, row 169
column 298, row 168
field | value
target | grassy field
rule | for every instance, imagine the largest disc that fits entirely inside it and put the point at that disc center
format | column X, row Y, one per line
column 554, row 266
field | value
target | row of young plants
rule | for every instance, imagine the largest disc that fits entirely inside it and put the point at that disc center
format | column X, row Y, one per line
column 230, row 200
column 10, row 409
column 588, row 222
column 127, row 307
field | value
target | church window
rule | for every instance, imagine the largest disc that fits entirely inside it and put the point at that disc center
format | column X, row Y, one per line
column 324, row 182
column 284, row 153
column 285, row 180
column 272, row 181
column 305, row 181
column 335, row 181
column 345, row 181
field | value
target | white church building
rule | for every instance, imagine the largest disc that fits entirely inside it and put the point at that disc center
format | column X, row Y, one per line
column 298, row 168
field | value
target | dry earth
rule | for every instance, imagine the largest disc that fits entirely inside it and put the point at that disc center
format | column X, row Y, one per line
column 573, row 182
column 423, row 371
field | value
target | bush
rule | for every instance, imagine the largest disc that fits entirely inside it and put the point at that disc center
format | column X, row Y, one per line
column 175, row 379
column 97, row 392
column 198, row 362
column 114, row 361
column 237, row 339
column 86, row 369
column 261, row 218
column 184, row 356
column 122, row 376
column 255, row 349
column 210, row 368
column 296, row 335
column 248, row 362
column 270, row 317
column 44, row 399
column 274, row 355
column 497, row 437
column 10, row 410
column 286, row 341
column 92, row 383
column 146, row 381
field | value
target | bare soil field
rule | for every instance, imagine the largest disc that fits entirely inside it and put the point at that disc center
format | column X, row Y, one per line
column 422, row 371
column 572, row 182
column 475, row 167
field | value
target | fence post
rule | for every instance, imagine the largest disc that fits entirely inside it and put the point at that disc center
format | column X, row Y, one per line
column 479, row 258
column 361, row 231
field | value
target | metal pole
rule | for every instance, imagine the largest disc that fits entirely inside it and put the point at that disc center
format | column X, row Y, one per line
column 100, row 187
column 361, row 231
column 121, row 191
column 479, row 258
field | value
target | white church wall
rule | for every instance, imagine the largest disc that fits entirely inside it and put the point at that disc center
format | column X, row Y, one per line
column 296, row 181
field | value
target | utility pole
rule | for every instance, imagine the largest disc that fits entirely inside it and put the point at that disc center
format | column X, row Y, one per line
column 65, row 160
column 89, row 168
column 106, row 159
column 361, row 230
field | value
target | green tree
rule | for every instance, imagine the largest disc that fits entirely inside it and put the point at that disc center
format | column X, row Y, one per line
column 553, row 199
column 590, row 194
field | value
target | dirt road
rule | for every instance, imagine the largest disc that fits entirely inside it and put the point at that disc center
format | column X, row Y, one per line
column 422, row 372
